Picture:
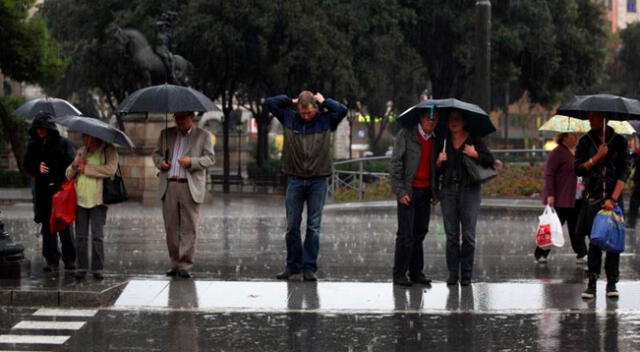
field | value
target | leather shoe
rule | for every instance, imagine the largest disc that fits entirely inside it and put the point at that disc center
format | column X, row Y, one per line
column 172, row 272
column 309, row 276
column 184, row 274
column 98, row 276
column 452, row 281
column 50, row 269
column 420, row 279
column 465, row 282
column 402, row 281
column 80, row 275
column 286, row 275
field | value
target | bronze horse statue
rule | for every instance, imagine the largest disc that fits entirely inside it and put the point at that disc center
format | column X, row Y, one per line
column 135, row 46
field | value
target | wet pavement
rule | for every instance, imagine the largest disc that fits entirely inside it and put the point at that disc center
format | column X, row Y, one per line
column 243, row 239
column 234, row 304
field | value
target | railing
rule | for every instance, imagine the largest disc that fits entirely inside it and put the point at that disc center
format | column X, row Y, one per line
column 352, row 174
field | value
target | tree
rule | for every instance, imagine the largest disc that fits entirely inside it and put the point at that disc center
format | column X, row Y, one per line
column 629, row 56
column 28, row 54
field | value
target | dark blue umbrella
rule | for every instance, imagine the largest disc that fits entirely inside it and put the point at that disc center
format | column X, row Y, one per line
column 95, row 128
column 477, row 120
column 54, row 106
column 616, row 107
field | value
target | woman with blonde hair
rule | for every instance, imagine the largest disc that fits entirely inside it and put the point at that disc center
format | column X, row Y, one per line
column 93, row 162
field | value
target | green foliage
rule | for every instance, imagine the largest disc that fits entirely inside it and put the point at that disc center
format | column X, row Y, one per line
column 27, row 51
column 517, row 181
column 629, row 57
column 11, row 103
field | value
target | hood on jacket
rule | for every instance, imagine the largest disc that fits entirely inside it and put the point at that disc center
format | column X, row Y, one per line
column 43, row 119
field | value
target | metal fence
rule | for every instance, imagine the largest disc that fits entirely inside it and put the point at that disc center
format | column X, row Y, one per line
column 355, row 174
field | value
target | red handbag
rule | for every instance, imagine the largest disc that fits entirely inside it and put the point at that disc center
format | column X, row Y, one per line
column 63, row 209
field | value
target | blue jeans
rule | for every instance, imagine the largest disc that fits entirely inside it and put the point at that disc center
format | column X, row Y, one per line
column 313, row 191
column 460, row 206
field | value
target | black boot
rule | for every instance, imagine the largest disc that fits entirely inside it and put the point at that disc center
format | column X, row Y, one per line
column 612, row 292
column 590, row 292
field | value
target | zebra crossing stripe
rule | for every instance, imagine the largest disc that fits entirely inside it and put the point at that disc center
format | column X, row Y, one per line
column 47, row 312
column 50, row 325
column 34, row 339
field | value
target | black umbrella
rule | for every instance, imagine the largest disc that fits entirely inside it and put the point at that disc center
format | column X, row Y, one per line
column 616, row 107
column 477, row 120
column 54, row 106
column 95, row 128
column 166, row 98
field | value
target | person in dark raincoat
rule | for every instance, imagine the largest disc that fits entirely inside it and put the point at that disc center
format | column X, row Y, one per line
column 48, row 155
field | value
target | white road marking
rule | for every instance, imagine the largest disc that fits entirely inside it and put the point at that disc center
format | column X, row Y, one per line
column 50, row 325
column 46, row 312
column 34, row 339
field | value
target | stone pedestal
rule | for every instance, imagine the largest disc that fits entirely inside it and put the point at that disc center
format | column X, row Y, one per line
column 138, row 170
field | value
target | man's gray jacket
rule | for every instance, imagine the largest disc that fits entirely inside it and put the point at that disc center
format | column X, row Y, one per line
column 405, row 159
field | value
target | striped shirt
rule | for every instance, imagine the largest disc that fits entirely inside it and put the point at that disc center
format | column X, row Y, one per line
column 182, row 140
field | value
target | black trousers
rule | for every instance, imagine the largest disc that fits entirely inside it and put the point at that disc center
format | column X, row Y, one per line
column 413, row 225
column 569, row 216
column 50, row 250
column 594, row 263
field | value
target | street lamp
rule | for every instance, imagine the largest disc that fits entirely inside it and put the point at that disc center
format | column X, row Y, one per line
column 239, row 127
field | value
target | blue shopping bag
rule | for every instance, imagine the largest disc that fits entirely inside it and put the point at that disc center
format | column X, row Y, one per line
column 608, row 230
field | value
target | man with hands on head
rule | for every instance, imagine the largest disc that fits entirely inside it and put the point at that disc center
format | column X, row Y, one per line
column 183, row 154
column 307, row 121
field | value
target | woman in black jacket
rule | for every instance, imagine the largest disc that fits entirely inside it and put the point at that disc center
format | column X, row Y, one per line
column 48, row 155
column 604, row 168
column 460, row 196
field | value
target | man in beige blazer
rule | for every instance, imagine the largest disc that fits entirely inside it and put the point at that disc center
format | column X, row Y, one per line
column 183, row 154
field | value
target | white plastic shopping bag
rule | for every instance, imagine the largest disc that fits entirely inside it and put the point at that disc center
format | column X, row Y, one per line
column 549, row 229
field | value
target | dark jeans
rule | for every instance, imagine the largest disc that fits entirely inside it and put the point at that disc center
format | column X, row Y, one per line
column 460, row 206
column 634, row 202
column 594, row 262
column 413, row 224
column 50, row 250
column 95, row 218
column 570, row 216
column 313, row 192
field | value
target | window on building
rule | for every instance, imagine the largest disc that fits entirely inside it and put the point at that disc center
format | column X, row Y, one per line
column 631, row 5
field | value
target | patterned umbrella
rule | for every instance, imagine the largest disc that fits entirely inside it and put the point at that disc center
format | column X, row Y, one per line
column 561, row 123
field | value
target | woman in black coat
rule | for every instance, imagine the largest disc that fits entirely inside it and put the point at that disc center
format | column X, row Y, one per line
column 47, row 158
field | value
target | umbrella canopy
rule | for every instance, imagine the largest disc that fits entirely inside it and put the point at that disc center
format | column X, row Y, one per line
column 561, row 123
column 54, row 106
column 95, row 128
column 617, row 107
column 477, row 120
column 166, row 98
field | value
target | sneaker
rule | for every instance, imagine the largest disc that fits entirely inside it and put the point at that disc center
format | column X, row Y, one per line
column 542, row 260
column 420, row 279
column 590, row 292
column 50, row 269
column 465, row 282
column 612, row 292
column 80, row 275
column 581, row 260
column 452, row 280
column 98, row 276
column 309, row 276
column 402, row 281
column 287, row 274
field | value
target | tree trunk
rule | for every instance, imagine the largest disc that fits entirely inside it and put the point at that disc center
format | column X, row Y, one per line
column 262, row 150
column 11, row 132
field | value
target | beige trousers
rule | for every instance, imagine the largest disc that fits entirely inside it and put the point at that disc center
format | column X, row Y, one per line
column 181, row 215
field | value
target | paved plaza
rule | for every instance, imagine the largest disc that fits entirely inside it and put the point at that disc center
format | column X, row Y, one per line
column 235, row 304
